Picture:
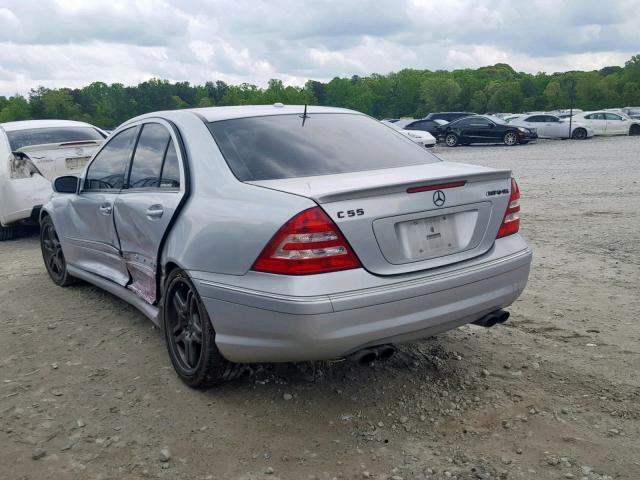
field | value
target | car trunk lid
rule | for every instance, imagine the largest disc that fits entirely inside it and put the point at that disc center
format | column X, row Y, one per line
column 56, row 159
column 406, row 219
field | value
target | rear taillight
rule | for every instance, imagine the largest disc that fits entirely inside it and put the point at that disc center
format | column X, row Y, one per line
column 511, row 221
column 308, row 243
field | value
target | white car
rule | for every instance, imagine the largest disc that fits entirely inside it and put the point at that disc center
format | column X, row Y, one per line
column 609, row 123
column 552, row 126
column 419, row 136
column 32, row 154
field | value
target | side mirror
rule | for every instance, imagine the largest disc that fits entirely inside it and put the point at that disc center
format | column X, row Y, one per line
column 66, row 184
column 491, row 125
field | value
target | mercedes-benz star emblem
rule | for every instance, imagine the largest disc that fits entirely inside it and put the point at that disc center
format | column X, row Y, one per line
column 438, row 198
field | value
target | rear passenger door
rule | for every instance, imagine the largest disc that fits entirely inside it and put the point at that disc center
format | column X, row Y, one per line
column 145, row 208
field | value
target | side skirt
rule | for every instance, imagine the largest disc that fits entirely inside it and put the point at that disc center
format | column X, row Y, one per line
column 122, row 293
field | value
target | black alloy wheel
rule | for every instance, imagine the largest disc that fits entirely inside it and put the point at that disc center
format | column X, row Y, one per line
column 190, row 336
column 53, row 255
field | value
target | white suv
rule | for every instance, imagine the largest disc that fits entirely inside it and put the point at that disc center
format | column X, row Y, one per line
column 32, row 154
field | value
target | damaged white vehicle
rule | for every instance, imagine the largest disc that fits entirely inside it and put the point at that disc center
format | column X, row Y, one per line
column 32, row 154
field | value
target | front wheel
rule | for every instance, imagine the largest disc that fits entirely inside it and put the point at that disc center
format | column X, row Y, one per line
column 190, row 336
column 634, row 130
column 53, row 255
column 510, row 139
column 579, row 134
column 451, row 140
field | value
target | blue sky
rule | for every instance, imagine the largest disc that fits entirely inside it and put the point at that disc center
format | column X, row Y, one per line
column 59, row 43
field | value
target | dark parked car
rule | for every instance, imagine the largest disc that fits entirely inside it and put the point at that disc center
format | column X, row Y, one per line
column 448, row 116
column 431, row 126
column 484, row 129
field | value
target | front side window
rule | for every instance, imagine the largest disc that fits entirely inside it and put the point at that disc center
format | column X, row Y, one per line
column 612, row 116
column 41, row 136
column 480, row 122
column 288, row 146
column 149, row 155
column 107, row 170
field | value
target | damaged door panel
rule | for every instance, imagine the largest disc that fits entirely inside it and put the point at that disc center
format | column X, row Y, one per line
column 145, row 208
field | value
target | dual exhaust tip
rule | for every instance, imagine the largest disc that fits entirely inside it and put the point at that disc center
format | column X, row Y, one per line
column 384, row 352
column 493, row 318
column 371, row 354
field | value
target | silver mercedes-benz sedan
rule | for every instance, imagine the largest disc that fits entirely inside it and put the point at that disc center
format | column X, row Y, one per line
column 285, row 233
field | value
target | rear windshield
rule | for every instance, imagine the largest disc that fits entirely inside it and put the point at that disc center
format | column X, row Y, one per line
column 41, row 136
column 283, row 146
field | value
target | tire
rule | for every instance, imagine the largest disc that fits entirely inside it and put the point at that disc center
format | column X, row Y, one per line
column 510, row 139
column 634, row 130
column 451, row 140
column 53, row 255
column 190, row 336
column 8, row 233
column 579, row 134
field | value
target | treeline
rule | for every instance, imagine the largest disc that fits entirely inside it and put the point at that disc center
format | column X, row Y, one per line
column 409, row 92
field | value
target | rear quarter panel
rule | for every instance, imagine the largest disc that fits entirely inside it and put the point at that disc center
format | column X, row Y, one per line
column 224, row 224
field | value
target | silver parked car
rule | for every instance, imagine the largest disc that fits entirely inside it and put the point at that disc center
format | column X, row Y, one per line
column 273, row 233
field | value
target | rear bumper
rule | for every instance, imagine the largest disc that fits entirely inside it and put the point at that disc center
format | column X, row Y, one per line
column 261, row 326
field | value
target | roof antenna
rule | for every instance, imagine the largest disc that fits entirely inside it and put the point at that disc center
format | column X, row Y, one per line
column 304, row 114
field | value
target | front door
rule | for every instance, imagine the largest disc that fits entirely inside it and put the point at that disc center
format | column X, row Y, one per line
column 90, row 235
column 145, row 208
column 616, row 125
column 483, row 130
column 597, row 122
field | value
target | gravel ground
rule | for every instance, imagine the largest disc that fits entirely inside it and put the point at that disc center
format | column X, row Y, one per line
column 87, row 390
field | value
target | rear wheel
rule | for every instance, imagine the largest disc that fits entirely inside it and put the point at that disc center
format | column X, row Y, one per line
column 52, row 254
column 510, row 139
column 579, row 134
column 634, row 130
column 451, row 140
column 190, row 336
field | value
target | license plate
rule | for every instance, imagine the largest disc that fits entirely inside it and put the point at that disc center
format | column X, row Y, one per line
column 428, row 236
column 76, row 163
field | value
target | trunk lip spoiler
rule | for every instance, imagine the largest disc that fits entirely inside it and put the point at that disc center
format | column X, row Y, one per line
column 338, row 195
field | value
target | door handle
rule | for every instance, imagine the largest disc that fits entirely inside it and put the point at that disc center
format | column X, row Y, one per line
column 155, row 212
column 106, row 208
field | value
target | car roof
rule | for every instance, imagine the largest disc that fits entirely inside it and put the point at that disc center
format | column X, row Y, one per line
column 28, row 124
column 214, row 114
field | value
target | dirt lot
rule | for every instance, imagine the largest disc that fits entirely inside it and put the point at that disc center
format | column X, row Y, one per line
column 87, row 390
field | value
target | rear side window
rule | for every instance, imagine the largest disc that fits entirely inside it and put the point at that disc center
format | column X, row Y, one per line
column 283, row 146
column 41, row 136
column 147, row 160
column 107, row 170
column 171, row 170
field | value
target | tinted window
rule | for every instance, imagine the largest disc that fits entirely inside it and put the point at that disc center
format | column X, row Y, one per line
column 147, row 161
column 280, row 146
column 465, row 122
column 479, row 121
column 535, row 119
column 41, row 136
column 612, row 116
column 551, row 119
column 108, row 168
column 171, row 169
column 420, row 125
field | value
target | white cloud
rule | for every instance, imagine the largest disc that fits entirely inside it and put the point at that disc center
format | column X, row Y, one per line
column 69, row 43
